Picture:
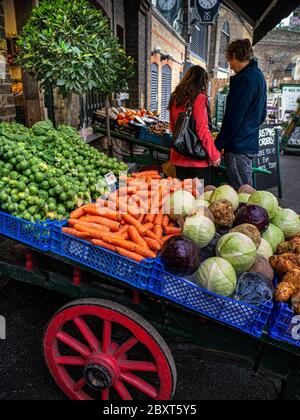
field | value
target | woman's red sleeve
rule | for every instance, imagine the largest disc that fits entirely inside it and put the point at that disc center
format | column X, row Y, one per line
column 202, row 128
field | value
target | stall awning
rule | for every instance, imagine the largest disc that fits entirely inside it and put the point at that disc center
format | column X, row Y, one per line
column 263, row 15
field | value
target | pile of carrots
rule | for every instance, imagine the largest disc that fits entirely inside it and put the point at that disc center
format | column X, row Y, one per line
column 131, row 222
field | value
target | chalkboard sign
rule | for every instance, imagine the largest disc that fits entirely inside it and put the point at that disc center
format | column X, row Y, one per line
column 268, row 158
column 295, row 138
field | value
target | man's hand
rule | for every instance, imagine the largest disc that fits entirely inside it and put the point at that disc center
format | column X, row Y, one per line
column 217, row 163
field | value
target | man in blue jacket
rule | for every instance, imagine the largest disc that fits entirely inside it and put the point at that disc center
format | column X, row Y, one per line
column 246, row 110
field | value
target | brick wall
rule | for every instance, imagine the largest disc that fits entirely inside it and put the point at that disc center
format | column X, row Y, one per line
column 276, row 51
column 239, row 29
column 7, row 104
column 169, row 43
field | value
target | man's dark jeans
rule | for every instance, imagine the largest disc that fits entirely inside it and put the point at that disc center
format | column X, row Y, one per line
column 239, row 169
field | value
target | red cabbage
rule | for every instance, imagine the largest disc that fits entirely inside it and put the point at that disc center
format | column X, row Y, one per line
column 181, row 256
column 253, row 215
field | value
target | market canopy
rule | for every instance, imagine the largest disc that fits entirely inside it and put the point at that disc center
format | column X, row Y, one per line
column 263, row 15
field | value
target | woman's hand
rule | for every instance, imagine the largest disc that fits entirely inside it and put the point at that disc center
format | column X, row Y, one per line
column 217, row 163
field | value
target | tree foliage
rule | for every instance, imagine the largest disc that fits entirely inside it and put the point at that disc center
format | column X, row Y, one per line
column 68, row 44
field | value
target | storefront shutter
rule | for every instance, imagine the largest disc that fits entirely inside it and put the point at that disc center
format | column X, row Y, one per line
column 166, row 89
column 154, row 88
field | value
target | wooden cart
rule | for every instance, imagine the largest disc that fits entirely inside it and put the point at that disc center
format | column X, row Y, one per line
column 107, row 343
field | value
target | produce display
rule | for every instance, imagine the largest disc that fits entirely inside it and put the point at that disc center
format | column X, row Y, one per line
column 46, row 173
column 221, row 237
column 123, row 224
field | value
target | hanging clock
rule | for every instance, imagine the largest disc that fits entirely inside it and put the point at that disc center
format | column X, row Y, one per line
column 167, row 5
column 207, row 10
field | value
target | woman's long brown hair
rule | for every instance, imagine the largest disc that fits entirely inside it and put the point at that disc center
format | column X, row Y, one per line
column 193, row 83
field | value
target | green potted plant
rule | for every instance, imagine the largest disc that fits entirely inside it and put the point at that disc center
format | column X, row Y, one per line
column 69, row 45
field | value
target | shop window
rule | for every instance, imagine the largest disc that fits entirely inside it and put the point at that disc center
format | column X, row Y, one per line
column 199, row 40
column 154, row 87
column 225, row 40
column 166, row 90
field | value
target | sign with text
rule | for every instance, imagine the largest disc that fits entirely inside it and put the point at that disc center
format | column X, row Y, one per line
column 290, row 95
column 295, row 138
column 268, row 158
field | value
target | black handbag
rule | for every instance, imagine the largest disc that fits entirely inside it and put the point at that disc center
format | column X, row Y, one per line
column 185, row 138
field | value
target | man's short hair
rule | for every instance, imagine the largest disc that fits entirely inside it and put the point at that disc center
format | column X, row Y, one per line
column 241, row 49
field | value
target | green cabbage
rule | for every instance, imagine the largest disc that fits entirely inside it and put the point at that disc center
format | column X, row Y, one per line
column 180, row 203
column 288, row 222
column 266, row 200
column 218, row 276
column 239, row 250
column 225, row 192
column 199, row 229
column 274, row 236
column 244, row 198
column 265, row 250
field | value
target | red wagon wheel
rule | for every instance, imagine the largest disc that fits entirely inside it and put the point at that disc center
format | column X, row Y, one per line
column 97, row 349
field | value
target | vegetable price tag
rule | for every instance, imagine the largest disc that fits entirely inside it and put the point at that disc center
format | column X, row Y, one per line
column 110, row 179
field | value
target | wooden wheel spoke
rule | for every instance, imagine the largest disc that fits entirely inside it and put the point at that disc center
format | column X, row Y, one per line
column 88, row 334
column 70, row 361
column 106, row 339
column 105, row 395
column 79, row 385
column 74, row 344
column 139, row 384
column 122, row 391
column 138, row 366
column 125, row 347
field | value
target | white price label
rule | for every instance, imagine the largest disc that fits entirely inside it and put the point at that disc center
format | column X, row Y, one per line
column 110, row 179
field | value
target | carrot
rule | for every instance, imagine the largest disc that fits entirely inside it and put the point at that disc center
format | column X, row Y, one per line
column 172, row 231
column 145, row 173
column 113, row 197
column 77, row 213
column 158, row 231
column 124, row 229
column 166, row 221
column 153, row 244
column 158, row 220
column 149, row 218
column 148, row 226
column 128, row 254
column 103, row 244
column 136, row 237
column 113, row 226
column 172, row 224
column 74, row 222
column 145, row 252
column 152, row 235
column 166, row 238
column 134, row 222
column 73, row 232
column 92, row 232
column 141, row 218
column 99, row 219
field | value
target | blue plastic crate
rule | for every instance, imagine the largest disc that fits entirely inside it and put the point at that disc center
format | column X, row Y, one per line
column 165, row 141
column 37, row 234
column 250, row 319
column 283, row 324
column 100, row 259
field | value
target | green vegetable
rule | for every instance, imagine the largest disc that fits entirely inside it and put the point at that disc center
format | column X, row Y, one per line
column 200, row 229
column 274, row 236
column 239, row 250
column 288, row 222
column 225, row 192
column 217, row 275
column 265, row 250
column 180, row 203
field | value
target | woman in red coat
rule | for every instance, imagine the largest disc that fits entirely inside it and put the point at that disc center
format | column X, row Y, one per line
column 193, row 90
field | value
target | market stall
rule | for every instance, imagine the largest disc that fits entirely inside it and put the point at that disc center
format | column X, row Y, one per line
column 171, row 251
